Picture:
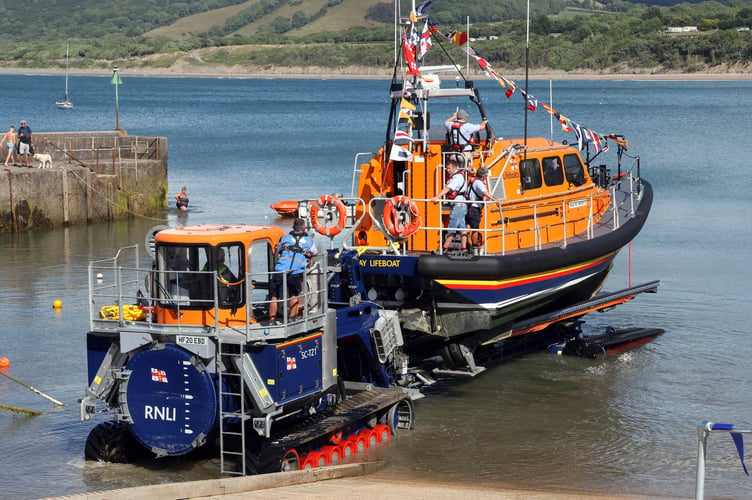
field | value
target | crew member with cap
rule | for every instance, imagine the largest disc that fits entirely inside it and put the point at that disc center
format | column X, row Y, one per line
column 460, row 134
column 477, row 191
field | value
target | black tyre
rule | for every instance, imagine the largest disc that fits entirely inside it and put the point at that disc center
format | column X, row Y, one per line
column 111, row 442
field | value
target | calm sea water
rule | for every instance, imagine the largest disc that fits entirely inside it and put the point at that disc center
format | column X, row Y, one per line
column 625, row 424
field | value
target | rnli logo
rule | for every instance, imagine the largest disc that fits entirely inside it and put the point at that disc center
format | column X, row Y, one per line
column 158, row 375
column 384, row 263
column 291, row 363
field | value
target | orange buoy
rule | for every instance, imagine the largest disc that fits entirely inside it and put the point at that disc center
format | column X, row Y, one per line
column 4, row 362
column 57, row 304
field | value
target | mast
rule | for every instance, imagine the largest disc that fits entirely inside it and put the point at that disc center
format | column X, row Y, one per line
column 66, row 71
column 527, row 65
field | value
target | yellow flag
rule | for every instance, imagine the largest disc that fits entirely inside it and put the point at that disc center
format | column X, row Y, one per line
column 405, row 104
column 403, row 114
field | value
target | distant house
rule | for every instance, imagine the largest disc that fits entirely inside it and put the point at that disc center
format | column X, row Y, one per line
column 681, row 29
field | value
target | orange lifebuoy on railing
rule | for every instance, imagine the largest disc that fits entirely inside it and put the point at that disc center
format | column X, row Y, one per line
column 401, row 217
column 329, row 204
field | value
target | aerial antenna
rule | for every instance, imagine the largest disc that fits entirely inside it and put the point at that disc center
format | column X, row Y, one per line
column 527, row 64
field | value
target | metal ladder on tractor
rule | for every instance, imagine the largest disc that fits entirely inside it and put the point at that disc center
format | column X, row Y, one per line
column 232, row 420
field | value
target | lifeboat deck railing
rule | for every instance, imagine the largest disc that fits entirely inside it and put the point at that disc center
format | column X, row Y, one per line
column 122, row 297
column 624, row 192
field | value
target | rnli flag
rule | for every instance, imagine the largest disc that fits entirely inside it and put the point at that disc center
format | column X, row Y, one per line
column 158, row 375
column 291, row 363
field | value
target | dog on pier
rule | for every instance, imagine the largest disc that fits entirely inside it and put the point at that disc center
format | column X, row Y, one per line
column 45, row 160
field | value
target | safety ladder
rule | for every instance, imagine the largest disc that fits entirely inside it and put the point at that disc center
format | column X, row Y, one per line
column 232, row 419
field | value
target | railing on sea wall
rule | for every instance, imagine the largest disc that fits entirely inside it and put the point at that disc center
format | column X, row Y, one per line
column 101, row 155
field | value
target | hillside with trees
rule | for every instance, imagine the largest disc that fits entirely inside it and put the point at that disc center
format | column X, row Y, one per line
column 567, row 35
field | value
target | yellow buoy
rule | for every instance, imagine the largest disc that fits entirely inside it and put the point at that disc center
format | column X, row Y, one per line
column 57, row 304
column 4, row 362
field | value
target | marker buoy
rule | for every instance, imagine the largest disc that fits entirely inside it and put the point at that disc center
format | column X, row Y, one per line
column 4, row 362
column 57, row 304
column 100, row 276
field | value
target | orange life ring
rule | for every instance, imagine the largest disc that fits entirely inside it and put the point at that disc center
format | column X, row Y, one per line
column 328, row 203
column 396, row 210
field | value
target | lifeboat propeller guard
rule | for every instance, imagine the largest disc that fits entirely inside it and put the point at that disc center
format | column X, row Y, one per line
column 401, row 217
column 333, row 212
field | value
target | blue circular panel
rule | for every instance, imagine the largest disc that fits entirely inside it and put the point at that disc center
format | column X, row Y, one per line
column 171, row 402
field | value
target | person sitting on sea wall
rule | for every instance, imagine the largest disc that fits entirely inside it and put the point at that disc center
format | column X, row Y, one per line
column 181, row 200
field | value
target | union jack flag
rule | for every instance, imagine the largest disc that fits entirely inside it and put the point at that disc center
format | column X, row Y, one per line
column 158, row 375
column 291, row 364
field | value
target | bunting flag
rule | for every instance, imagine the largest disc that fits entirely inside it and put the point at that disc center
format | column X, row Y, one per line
column 457, row 37
column 739, row 443
column 406, row 115
column 407, row 88
column 422, row 8
column 584, row 136
column 532, row 102
column 400, row 136
column 564, row 122
column 425, row 40
column 400, row 153
column 619, row 140
column 405, row 104
column 409, row 54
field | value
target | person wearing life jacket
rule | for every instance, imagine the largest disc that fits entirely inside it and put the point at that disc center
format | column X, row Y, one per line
column 454, row 189
column 293, row 252
column 181, row 200
column 460, row 133
column 477, row 191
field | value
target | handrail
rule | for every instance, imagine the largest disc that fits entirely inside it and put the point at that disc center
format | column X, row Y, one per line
column 704, row 429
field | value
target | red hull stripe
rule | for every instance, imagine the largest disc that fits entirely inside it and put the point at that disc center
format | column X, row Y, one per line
column 298, row 341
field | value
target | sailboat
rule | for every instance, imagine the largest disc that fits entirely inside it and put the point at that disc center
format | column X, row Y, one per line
column 65, row 103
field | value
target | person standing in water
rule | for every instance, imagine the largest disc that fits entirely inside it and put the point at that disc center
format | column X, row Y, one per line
column 181, row 200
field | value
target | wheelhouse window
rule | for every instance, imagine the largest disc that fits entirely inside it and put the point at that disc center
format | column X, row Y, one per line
column 530, row 174
column 185, row 275
column 574, row 169
column 553, row 174
column 261, row 257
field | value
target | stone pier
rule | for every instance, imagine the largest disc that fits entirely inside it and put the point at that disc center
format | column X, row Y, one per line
column 94, row 176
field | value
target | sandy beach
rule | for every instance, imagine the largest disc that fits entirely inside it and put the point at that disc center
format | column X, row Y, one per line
column 185, row 70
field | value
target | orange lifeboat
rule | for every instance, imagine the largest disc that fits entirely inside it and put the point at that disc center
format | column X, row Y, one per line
column 287, row 208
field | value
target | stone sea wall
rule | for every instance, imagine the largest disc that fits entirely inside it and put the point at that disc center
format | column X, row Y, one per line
column 94, row 176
